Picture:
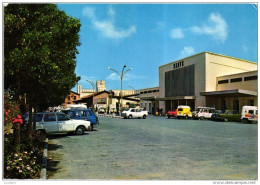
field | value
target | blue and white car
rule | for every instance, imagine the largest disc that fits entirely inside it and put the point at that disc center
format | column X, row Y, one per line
column 83, row 114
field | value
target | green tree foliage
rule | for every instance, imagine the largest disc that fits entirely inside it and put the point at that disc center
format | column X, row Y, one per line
column 40, row 47
column 39, row 52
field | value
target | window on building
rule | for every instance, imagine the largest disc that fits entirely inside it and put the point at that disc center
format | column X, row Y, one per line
column 222, row 81
column 247, row 78
column 68, row 97
column 235, row 80
column 74, row 97
column 182, row 63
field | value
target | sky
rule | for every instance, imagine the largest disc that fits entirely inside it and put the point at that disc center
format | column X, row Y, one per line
column 146, row 36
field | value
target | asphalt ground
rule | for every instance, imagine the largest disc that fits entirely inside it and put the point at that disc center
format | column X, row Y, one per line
column 157, row 148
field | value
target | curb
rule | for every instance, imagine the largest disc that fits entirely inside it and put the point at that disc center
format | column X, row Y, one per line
column 108, row 115
column 44, row 161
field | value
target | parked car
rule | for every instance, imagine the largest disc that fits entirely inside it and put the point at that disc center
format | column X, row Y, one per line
column 184, row 111
column 215, row 116
column 172, row 113
column 249, row 114
column 205, row 112
column 195, row 113
column 83, row 114
column 229, row 115
column 58, row 122
column 134, row 113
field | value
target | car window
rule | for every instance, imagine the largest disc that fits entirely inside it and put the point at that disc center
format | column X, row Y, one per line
column 256, row 112
column 138, row 110
column 85, row 113
column 49, row 117
column 180, row 109
column 75, row 113
column 38, row 117
column 62, row 117
column 210, row 111
column 133, row 110
column 251, row 112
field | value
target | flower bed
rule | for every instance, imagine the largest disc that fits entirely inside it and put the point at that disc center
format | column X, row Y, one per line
column 22, row 155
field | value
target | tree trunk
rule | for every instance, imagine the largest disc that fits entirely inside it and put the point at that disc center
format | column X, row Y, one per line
column 29, row 126
column 34, row 119
column 17, row 135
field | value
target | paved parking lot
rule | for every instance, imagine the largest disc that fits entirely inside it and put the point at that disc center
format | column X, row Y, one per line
column 157, row 148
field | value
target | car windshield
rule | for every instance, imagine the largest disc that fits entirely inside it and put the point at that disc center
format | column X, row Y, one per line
column 126, row 110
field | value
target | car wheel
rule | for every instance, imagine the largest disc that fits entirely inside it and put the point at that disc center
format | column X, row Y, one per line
column 169, row 117
column 202, row 118
column 80, row 130
column 144, row 116
column 225, row 119
column 92, row 126
column 130, row 116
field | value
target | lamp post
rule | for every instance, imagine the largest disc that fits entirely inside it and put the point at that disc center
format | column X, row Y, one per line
column 93, row 85
column 121, row 78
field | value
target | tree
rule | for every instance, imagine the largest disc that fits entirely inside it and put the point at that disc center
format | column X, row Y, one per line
column 40, row 47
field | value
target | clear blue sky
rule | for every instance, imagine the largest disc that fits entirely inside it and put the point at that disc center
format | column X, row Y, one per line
column 145, row 36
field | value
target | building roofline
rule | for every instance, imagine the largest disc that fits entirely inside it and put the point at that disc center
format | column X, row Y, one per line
column 74, row 92
column 148, row 88
column 204, row 52
column 255, row 71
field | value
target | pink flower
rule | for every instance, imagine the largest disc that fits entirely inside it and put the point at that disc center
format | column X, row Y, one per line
column 25, row 152
column 8, row 167
column 28, row 168
column 15, row 155
column 20, row 159
column 20, row 171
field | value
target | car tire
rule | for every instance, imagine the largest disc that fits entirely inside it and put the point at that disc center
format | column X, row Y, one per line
column 130, row 116
column 225, row 119
column 79, row 130
column 186, row 117
column 169, row 117
column 202, row 118
column 92, row 126
column 144, row 116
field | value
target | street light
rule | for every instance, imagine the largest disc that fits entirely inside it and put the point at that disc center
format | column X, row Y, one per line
column 121, row 78
column 93, row 85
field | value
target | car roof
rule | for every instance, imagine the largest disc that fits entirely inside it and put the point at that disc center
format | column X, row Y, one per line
column 78, row 109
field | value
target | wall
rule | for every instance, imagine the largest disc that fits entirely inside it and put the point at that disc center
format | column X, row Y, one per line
column 219, row 65
column 246, row 85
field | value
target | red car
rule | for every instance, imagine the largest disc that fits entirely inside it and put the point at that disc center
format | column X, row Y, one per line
column 172, row 113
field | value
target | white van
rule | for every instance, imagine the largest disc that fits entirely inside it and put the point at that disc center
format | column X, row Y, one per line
column 205, row 112
column 249, row 114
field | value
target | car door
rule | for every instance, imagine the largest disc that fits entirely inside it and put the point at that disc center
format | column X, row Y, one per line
column 64, row 123
column 133, row 113
column 50, row 122
column 89, row 115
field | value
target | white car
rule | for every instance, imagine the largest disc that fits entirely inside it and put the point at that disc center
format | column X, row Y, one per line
column 58, row 122
column 205, row 112
column 134, row 113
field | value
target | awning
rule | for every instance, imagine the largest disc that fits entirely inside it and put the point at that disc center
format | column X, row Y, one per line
column 177, row 98
column 230, row 93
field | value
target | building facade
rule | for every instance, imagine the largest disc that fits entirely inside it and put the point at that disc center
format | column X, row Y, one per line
column 100, row 85
column 188, row 81
column 70, row 98
column 148, row 99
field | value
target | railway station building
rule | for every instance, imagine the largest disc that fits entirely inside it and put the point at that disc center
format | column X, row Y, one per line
column 208, row 79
